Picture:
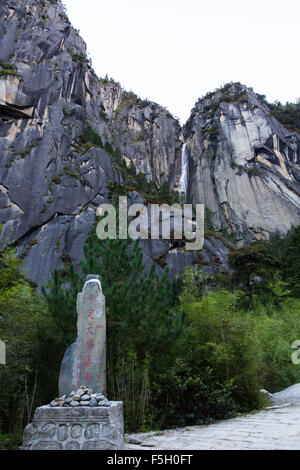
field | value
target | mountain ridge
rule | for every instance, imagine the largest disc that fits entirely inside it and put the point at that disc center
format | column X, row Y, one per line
column 60, row 125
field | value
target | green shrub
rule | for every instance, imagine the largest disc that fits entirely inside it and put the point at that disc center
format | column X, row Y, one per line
column 276, row 330
column 222, row 339
column 190, row 395
column 248, row 348
column 6, row 73
column 56, row 180
column 71, row 173
column 22, row 314
column 291, row 261
column 90, row 136
column 10, row 441
column 288, row 115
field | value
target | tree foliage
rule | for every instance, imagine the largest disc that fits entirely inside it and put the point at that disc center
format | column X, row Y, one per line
column 143, row 322
column 291, row 261
column 22, row 315
column 254, row 268
column 288, row 114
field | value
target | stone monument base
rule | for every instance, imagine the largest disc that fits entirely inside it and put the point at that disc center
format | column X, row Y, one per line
column 78, row 428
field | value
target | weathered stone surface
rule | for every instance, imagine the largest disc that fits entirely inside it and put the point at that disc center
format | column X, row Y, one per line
column 62, row 432
column 133, row 440
column 100, row 445
column 46, row 445
column 30, row 433
column 93, row 402
column 85, row 397
column 149, row 136
column 76, row 431
column 243, row 164
column 73, row 445
column 49, row 189
column 47, row 430
column 289, row 395
column 92, row 431
column 85, row 360
column 40, row 141
column 91, row 428
column 271, row 429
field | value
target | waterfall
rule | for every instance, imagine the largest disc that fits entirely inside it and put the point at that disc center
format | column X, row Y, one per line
column 183, row 184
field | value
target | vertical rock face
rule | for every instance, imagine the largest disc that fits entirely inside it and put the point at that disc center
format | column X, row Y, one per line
column 51, row 179
column 244, row 165
column 149, row 136
column 85, row 360
column 51, row 182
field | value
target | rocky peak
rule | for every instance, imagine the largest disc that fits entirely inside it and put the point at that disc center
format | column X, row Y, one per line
column 148, row 135
column 243, row 161
column 59, row 123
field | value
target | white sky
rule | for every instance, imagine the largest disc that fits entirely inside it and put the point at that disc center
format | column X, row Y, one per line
column 175, row 51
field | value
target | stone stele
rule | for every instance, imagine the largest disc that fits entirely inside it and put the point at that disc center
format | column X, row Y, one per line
column 85, row 360
column 81, row 428
column 88, row 427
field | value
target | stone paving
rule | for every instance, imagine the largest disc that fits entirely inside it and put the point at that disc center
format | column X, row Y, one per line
column 277, row 428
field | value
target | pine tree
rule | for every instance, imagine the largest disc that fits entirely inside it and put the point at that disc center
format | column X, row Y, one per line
column 139, row 304
column 143, row 320
column 291, row 261
column 254, row 268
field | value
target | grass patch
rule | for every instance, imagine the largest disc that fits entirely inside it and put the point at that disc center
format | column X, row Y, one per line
column 71, row 173
column 56, row 180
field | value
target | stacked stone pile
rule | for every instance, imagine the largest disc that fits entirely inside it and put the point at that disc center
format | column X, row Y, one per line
column 84, row 396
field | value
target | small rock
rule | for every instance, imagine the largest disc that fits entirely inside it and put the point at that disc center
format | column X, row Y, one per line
column 76, row 397
column 99, row 397
column 93, row 402
column 58, row 401
column 106, row 404
column 85, row 397
column 266, row 393
column 288, row 395
column 68, row 401
column 53, row 403
column 74, row 403
column 72, row 393
column 134, row 440
column 84, row 403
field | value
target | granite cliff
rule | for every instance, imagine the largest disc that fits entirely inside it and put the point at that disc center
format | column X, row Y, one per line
column 59, row 124
column 244, row 165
